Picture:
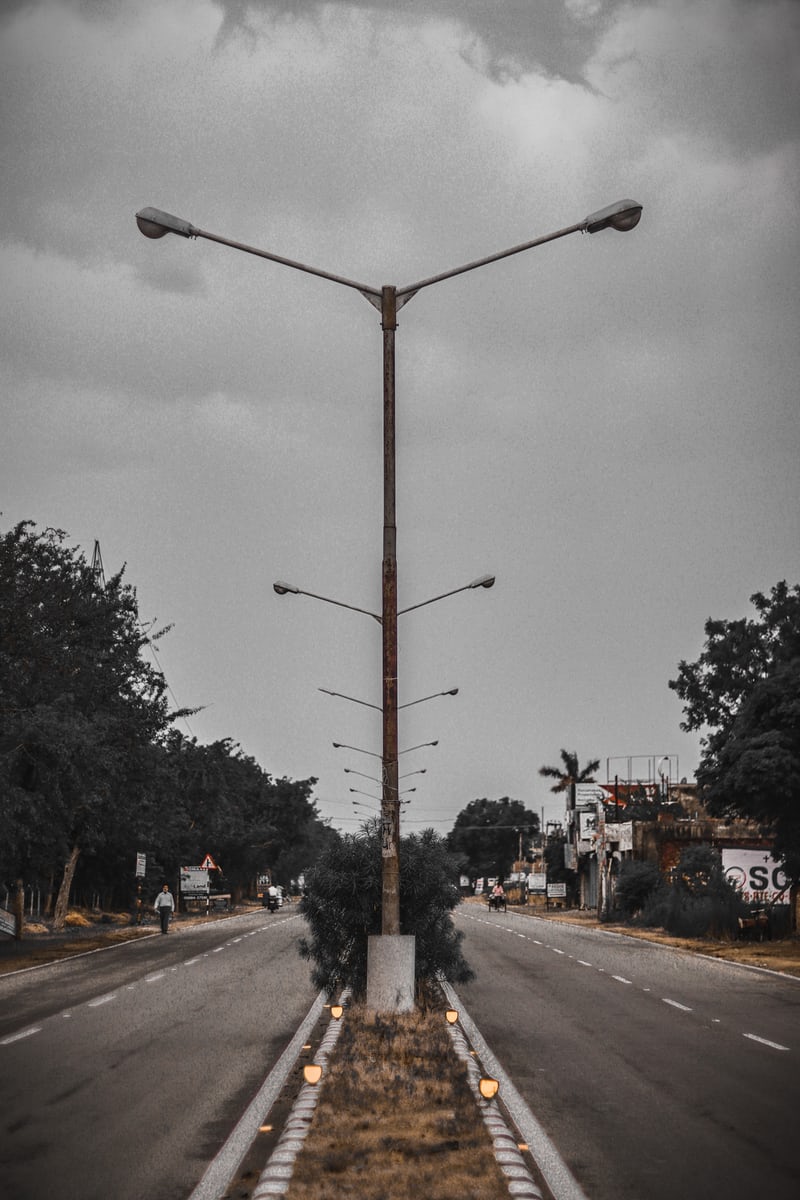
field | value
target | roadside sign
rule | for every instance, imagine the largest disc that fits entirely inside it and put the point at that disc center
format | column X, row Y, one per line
column 556, row 891
column 194, row 881
column 141, row 865
column 208, row 864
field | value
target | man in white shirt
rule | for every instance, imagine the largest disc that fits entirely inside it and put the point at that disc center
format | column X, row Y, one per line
column 164, row 906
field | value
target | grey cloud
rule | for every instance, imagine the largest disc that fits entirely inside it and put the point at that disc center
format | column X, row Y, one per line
column 516, row 35
column 168, row 276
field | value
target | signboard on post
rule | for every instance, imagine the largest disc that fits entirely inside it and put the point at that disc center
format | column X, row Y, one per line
column 194, row 881
column 556, row 891
column 756, row 875
column 589, row 793
column 141, row 865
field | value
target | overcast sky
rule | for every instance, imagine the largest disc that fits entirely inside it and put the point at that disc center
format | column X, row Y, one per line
column 608, row 423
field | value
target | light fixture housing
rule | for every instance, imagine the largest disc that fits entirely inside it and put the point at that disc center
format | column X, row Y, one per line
column 623, row 215
column 282, row 588
column 312, row 1073
column 154, row 223
column 451, row 1016
column 336, row 1011
column 488, row 1087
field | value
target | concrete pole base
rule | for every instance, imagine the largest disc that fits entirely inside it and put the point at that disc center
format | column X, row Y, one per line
column 390, row 973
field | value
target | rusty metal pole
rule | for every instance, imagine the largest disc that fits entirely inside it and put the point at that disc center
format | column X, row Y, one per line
column 390, row 800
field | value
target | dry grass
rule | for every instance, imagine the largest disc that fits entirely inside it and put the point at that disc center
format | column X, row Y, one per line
column 75, row 919
column 783, row 955
column 396, row 1114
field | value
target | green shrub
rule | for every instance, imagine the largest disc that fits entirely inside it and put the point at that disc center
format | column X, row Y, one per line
column 636, row 883
column 699, row 901
column 343, row 908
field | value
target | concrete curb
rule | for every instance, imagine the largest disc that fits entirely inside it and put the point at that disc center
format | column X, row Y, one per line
column 277, row 1174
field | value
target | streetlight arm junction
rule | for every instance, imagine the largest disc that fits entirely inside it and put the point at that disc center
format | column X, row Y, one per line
column 366, row 703
column 623, row 216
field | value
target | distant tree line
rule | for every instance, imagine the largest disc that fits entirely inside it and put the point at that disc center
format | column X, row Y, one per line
column 92, row 768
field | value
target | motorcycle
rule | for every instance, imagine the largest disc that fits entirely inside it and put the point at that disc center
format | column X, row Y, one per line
column 496, row 903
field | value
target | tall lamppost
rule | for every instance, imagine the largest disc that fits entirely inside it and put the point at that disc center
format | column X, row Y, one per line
column 391, row 962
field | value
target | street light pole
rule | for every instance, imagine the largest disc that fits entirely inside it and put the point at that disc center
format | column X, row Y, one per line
column 390, row 807
column 155, row 223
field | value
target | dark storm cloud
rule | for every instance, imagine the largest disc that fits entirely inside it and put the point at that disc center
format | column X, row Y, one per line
column 516, row 35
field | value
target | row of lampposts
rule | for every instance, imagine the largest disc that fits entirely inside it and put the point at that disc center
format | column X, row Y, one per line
column 389, row 984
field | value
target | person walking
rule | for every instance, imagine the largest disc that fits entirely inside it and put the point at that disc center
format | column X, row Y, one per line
column 164, row 906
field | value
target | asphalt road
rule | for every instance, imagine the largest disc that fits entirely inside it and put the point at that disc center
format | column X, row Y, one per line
column 124, row 1071
column 656, row 1073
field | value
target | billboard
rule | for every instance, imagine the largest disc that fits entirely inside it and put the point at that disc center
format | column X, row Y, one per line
column 194, row 881
column 756, row 874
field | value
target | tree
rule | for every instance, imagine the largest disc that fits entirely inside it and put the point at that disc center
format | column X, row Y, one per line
column 486, row 835
column 570, row 772
column 218, row 800
column 78, row 703
column 743, row 689
column 343, row 908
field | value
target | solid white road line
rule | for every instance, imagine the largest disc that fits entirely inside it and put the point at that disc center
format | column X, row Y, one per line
column 221, row 1169
column 561, row 1182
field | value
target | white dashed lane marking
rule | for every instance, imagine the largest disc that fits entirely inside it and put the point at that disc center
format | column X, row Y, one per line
column 754, row 1037
column 765, row 1042
column 17, row 1037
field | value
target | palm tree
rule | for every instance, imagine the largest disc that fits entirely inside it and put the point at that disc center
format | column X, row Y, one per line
column 569, row 773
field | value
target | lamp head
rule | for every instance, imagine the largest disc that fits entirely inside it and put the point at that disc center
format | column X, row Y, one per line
column 486, row 581
column 624, row 215
column 451, row 692
column 282, row 588
column 154, row 223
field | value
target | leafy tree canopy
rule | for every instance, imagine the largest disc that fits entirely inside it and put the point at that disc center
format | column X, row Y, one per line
column 343, row 908
column 744, row 690
column 486, row 835
column 78, row 703
column 91, row 769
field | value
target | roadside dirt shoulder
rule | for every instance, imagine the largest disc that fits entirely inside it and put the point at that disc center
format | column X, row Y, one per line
column 40, row 944
column 782, row 956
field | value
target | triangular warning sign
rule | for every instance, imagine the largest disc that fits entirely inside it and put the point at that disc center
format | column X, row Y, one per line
column 208, row 864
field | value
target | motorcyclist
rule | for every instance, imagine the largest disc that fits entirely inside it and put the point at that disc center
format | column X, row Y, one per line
column 498, row 895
